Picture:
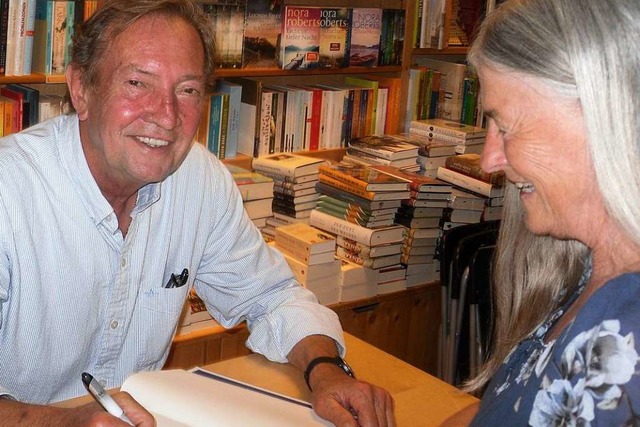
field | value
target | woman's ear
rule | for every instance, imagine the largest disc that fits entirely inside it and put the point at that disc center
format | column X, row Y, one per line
column 77, row 91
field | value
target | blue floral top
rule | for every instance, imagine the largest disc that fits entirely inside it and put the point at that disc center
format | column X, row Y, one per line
column 588, row 376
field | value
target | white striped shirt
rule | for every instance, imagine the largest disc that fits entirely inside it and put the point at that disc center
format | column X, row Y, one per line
column 75, row 296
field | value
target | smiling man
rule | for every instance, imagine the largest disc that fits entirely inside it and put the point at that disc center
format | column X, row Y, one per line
column 100, row 207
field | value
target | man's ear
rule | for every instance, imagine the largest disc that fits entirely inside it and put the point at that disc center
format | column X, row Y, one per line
column 77, row 91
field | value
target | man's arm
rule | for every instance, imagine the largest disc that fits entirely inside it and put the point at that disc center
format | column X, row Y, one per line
column 17, row 414
column 336, row 396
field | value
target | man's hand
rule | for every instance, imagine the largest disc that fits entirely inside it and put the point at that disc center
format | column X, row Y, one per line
column 348, row 402
column 336, row 396
column 89, row 415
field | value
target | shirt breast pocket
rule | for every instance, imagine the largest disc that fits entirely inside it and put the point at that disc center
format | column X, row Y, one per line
column 160, row 311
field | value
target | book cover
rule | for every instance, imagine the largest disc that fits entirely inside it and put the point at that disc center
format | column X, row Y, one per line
column 355, row 217
column 469, row 183
column 288, row 164
column 364, row 177
column 334, row 37
column 430, row 147
column 366, row 27
column 263, row 22
column 417, row 182
column 178, row 397
column 366, row 236
column 358, row 191
column 233, row 123
column 18, row 106
column 30, row 104
column 250, row 114
column 391, row 147
column 252, row 185
column 369, row 262
column 348, row 197
column 348, row 206
column 469, row 164
column 303, row 238
column 300, row 40
column 368, row 251
column 227, row 21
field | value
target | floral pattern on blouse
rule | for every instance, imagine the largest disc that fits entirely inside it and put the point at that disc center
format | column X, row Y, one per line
column 602, row 361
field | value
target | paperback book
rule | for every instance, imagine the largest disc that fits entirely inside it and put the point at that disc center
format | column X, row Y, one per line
column 334, row 37
column 366, row 27
column 252, row 185
column 287, row 164
column 364, row 177
column 263, row 22
column 300, row 41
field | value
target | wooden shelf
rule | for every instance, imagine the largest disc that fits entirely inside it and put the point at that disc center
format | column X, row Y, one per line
column 453, row 50
column 261, row 72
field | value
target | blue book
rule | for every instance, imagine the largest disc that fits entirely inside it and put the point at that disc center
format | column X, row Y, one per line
column 215, row 123
column 233, row 125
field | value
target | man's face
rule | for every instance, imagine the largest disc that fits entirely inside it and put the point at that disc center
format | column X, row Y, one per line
column 137, row 125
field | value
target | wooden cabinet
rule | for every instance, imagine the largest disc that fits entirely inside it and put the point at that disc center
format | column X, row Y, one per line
column 404, row 324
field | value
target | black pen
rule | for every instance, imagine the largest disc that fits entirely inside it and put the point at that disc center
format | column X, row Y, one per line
column 103, row 398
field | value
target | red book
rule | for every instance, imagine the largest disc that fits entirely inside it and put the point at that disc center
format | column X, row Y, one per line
column 18, row 99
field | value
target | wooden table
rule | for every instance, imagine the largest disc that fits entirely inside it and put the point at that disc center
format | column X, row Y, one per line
column 421, row 400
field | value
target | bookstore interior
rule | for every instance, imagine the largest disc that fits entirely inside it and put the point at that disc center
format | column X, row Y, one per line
column 353, row 131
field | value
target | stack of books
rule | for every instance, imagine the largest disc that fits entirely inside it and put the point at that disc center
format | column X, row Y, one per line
column 357, row 282
column 432, row 154
column 392, row 150
column 305, row 248
column 421, row 215
column 464, row 172
column 467, row 139
column 369, row 198
column 294, row 177
column 256, row 190
column 369, row 239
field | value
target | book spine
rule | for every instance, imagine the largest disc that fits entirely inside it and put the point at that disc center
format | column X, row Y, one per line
column 440, row 137
column 464, row 181
column 358, row 191
column 224, row 126
column 459, row 164
column 342, row 177
column 341, row 227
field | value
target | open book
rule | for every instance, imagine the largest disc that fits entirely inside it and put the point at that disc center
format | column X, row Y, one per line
column 179, row 398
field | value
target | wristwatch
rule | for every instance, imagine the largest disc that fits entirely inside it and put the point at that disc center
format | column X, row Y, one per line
column 338, row 361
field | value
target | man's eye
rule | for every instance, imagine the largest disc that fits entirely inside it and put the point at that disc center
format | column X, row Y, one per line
column 135, row 83
column 191, row 91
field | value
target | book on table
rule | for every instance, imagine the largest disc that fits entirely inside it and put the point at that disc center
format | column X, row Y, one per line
column 252, row 185
column 391, row 147
column 198, row 398
column 364, row 177
column 287, row 164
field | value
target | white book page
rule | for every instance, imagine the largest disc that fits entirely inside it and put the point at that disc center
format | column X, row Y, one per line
column 178, row 398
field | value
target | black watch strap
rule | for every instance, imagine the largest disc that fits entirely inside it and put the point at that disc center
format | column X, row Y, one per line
column 338, row 361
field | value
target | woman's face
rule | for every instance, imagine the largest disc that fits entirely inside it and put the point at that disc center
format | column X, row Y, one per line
column 538, row 138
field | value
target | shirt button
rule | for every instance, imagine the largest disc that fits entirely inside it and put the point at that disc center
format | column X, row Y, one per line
column 114, row 324
column 123, row 262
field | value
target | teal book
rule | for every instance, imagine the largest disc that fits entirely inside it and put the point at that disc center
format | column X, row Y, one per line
column 233, row 124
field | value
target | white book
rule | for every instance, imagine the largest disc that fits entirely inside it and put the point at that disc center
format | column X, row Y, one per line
column 199, row 398
column 367, row 236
